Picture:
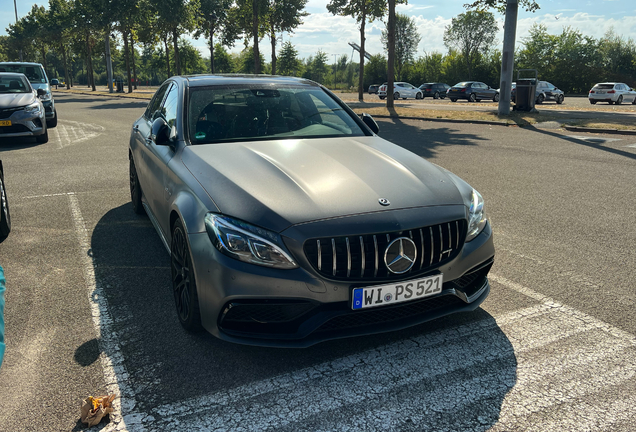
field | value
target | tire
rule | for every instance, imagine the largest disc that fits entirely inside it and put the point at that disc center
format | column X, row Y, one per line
column 559, row 99
column 396, row 95
column 53, row 122
column 540, row 99
column 443, row 96
column 382, row 97
column 44, row 138
column 593, row 102
column 184, row 286
column 436, row 95
column 135, row 188
column 418, row 96
column 619, row 100
column 472, row 97
column 5, row 216
column 495, row 98
column 634, row 101
column 453, row 99
column 611, row 103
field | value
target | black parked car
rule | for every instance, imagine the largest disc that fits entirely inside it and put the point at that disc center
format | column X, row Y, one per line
column 434, row 90
column 545, row 91
column 472, row 91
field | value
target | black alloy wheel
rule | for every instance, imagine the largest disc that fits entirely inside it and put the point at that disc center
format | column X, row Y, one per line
column 396, row 96
column 540, row 99
column 634, row 101
column 184, row 287
column 472, row 97
column 495, row 97
column 5, row 216
column 135, row 188
column 619, row 100
column 418, row 95
column 436, row 95
column 559, row 99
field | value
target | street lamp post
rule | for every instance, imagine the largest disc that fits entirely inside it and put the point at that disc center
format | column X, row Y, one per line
column 15, row 5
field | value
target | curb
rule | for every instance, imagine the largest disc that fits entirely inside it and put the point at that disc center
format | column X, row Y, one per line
column 485, row 122
column 598, row 130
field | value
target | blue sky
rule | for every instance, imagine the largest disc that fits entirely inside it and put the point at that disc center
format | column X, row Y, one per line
column 330, row 33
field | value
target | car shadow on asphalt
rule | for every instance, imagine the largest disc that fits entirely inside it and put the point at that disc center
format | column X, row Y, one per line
column 18, row 143
column 423, row 141
column 166, row 365
column 598, row 145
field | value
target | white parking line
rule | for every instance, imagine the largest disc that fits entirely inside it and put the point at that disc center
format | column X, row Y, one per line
column 111, row 358
column 514, row 370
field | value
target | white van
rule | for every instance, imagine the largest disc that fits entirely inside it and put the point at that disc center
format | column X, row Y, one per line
column 38, row 79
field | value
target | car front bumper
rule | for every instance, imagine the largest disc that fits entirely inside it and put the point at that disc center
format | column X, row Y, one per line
column 254, row 305
column 23, row 124
column 49, row 109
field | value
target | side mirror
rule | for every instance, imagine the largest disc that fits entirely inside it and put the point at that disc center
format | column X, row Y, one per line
column 41, row 92
column 161, row 133
column 368, row 120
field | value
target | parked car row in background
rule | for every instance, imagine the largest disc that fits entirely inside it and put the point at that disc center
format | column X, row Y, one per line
column 612, row 93
column 472, row 91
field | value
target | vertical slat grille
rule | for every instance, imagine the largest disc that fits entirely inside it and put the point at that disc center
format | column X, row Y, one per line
column 346, row 261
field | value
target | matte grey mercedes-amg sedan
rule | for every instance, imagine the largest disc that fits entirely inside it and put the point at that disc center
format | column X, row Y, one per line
column 290, row 222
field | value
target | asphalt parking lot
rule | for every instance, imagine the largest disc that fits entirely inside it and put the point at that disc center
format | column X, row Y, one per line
column 90, row 310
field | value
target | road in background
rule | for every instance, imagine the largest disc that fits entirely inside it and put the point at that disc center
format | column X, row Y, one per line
column 90, row 309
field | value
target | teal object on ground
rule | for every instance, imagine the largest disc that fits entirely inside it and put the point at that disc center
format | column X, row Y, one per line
column 2, row 288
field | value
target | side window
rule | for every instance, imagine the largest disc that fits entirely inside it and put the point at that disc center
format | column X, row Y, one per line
column 156, row 101
column 169, row 108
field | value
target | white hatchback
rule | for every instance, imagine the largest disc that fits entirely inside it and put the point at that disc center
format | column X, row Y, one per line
column 612, row 93
column 401, row 90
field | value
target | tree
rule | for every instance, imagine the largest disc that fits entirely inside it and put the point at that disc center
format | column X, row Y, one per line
column 319, row 68
column 375, row 71
column 284, row 15
column 59, row 27
column 406, row 41
column 249, row 16
column 361, row 11
column 175, row 17
column 470, row 33
column 289, row 63
column 214, row 17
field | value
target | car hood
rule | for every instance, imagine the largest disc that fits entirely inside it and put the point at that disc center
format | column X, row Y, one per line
column 12, row 100
column 276, row 184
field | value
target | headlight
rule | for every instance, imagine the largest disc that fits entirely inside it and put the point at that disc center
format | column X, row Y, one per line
column 476, row 216
column 248, row 243
column 33, row 108
column 46, row 97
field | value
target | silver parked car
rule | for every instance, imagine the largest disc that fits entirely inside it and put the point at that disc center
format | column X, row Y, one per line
column 401, row 90
column 289, row 221
column 612, row 93
column 21, row 110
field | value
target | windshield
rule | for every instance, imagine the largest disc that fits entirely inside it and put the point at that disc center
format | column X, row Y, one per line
column 426, row 86
column 604, row 86
column 34, row 73
column 10, row 83
column 463, row 84
column 240, row 112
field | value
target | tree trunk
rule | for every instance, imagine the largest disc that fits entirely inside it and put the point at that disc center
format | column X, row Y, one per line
column 177, row 59
column 109, row 65
column 273, row 40
column 257, row 56
column 391, row 59
column 165, row 43
column 212, row 48
column 363, row 23
column 66, row 78
column 89, row 62
column 127, row 55
column 132, row 50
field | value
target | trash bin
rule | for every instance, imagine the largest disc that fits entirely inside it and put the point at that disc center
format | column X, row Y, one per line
column 120, row 86
column 526, row 88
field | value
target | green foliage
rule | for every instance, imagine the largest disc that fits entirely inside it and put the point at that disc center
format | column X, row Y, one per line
column 471, row 33
column 500, row 5
column 406, row 40
column 375, row 71
column 288, row 62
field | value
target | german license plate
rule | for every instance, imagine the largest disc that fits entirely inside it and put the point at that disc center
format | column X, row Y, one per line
column 600, row 92
column 382, row 295
column 5, row 122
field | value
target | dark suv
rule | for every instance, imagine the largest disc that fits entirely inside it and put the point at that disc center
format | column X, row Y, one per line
column 434, row 90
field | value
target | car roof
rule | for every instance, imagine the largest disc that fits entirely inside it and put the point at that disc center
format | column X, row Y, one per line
column 228, row 79
column 15, row 74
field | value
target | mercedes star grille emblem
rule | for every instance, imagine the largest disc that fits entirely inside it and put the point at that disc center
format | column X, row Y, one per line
column 400, row 255
column 384, row 202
